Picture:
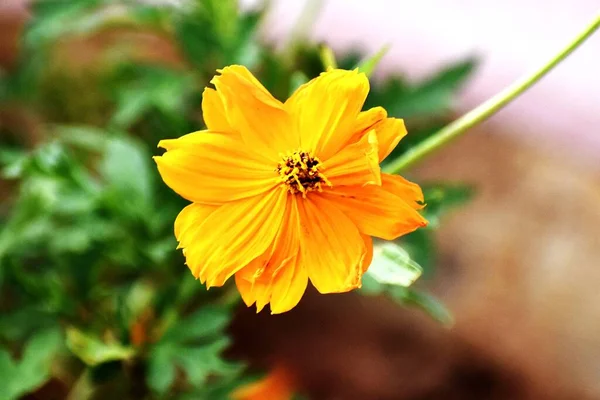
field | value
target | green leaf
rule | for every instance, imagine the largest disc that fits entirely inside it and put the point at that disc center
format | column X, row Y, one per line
column 201, row 362
column 22, row 322
column 392, row 265
column 450, row 78
column 93, row 351
column 55, row 18
column 141, row 90
column 10, row 375
column 224, row 18
column 432, row 306
column 443, row 197
column 194, row 345
column 23, row 376
column 368, row 65
column 436, row 95
column 204, row 323
column 432, row 98
column 88, row 138
column 421, row 246
column 126, row 167
column 37, row 356
column 14, row 162
column 161, row 369
column 139, row 297
column 207, row 31
column 248, row 49
column 391, row 273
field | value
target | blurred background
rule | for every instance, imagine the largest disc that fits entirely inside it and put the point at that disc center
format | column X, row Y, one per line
column 96, row 302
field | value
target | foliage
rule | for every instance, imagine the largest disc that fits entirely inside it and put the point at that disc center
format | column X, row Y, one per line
column 22, row 376
column 92, row 292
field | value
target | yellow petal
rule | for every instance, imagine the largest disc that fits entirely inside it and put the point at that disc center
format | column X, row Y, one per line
column 365, row 122
column 369, row 255
column 191, row 216
column 214, row 168
column 356, row 164
column 332, row 249
column 255, row 279
column 289, row 287
column 253, row 283
column 233, row 236
column 325, row 110
column 252, row 112
column 389, row 132
column 244, row 286
column 409, row 191
column 183, row 141
column 276, row 276
column 375, row 211
column 213, row 112
column 189, row 139
column 277, row 385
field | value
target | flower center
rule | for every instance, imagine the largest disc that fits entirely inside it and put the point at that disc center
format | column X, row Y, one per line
column 299, row 171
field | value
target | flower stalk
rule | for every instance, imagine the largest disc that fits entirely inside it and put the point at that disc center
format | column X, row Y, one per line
column 488, row 108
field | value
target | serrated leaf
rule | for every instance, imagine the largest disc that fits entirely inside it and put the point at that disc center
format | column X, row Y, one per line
column 194, row 345
column 204, row 323
column 93, row 351
column 200, row 362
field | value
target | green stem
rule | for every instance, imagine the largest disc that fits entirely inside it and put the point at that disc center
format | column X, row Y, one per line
column 486, row 109
column 327, row 57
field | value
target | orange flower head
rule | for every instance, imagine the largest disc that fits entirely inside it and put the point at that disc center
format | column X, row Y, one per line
column 276, row 385
column 284, row 193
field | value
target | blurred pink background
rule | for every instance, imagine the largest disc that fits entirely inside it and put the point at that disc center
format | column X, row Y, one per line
column 511, row 38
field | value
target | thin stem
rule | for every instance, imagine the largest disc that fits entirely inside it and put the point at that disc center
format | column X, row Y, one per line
column 488, row 108
column 327, row 57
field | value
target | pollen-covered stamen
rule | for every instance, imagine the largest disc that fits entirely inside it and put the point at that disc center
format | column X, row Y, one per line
column 300, row 172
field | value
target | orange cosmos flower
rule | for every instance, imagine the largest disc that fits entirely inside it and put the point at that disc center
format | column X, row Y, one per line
column 277, row 385
column 286, row 192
